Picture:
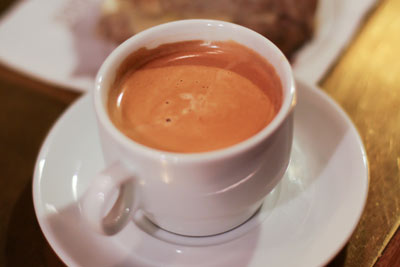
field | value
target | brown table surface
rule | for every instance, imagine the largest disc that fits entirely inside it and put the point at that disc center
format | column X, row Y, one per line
column 365, row 81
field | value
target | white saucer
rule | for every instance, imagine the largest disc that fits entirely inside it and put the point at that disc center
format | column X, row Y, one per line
column 305, row 221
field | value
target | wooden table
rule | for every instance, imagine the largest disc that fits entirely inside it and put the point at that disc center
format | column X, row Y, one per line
column 365, row 82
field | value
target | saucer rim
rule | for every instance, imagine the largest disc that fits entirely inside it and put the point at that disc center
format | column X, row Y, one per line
column 69, row 260
column 345, row 117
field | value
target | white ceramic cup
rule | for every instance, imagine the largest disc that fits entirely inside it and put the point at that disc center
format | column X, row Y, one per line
column 194, row 194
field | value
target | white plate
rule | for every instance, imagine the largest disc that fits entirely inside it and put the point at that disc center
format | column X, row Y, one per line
column 56, row 41
column 305, row 221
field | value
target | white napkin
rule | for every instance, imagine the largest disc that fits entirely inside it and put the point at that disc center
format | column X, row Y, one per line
column 338, row 21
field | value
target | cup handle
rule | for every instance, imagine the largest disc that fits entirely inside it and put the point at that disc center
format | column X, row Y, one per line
column 113, row 186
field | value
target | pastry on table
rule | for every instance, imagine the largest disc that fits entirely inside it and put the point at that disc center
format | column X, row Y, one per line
column 287, row 23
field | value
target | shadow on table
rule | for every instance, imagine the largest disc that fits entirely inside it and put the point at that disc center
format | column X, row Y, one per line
column 25, row 244
column 5, row 4
column 340, row 258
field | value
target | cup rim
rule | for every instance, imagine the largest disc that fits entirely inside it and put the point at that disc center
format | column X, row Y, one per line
column 288, row 103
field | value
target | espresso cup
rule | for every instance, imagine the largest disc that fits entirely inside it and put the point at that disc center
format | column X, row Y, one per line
column 194, row 194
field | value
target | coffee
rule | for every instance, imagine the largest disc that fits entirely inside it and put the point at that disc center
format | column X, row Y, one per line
column 194, row 96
